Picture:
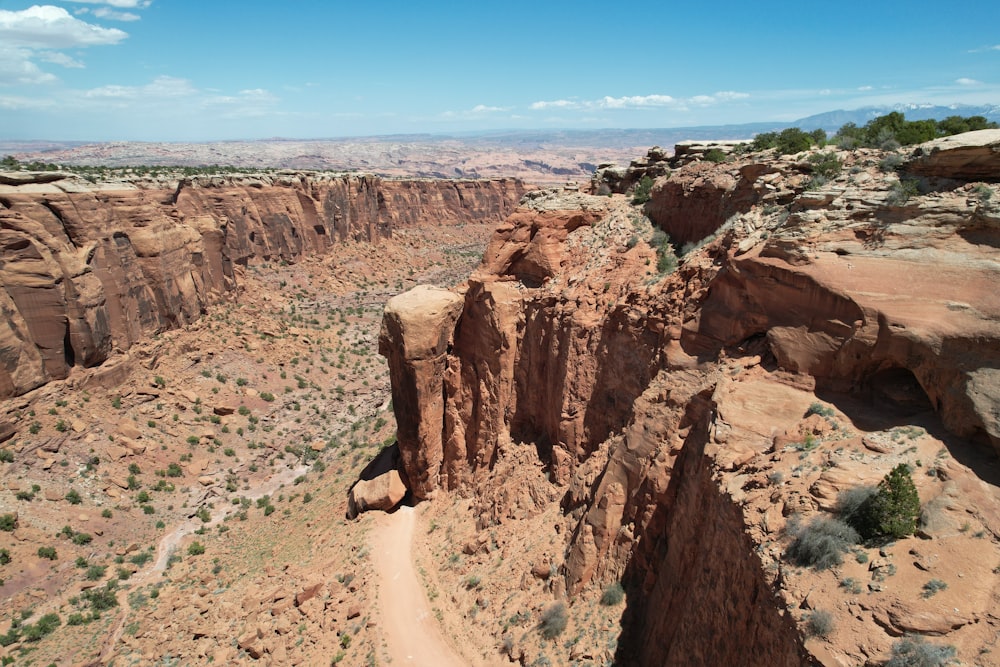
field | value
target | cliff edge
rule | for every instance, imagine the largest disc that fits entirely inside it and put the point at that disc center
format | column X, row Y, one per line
column 670, row 384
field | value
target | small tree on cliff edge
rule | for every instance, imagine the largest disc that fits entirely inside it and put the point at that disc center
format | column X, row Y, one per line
column 893, row 510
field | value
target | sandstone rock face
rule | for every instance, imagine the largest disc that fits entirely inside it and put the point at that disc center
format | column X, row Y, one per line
column 569, row 343
column 88, row 270
column 417, row 331
column 971, row 156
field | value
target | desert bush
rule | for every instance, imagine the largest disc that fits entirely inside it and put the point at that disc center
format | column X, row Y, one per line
column 901, row 191
column 196, row 549
column 641, row 193
column 46, row 625
column 793, row 140
column 8, row 522
column 818, row 408
column 892, row 511
column 174, row 470
column 613, row 595
column 49, row 553
column 666, row 257
column 819, row 623
column 891, row 162
column 554, row 620
column 932, row 587
column 73, row 496
column 915, row 652
column 715, row 155
column 822, row 543
column 851, row 584
column 826, row 164
column 101, row 599
column 4, row 557
column 7, row 456
column 95, row 572
column 850, row 501
column 266, row 396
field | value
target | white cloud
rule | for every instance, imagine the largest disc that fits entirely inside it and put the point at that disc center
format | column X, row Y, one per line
column 556, row 104
column 643, row 102
column 38, row 33
column 120, row 4
column 16, row 68
column 58, row 58
column 865, row 88
column 160, row 88
column 965, row 81
column 48, row 27
column 115, row 15
column 482, row 108
column 633, row 101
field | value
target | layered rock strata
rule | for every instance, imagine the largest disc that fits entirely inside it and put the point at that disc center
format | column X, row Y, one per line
column 621, row 379
column 88, row 269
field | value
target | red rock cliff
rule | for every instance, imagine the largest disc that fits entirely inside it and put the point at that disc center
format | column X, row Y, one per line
column 570, row 343
column 87, row 270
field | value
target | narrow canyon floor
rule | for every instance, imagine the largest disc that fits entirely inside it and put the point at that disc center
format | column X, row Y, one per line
column 185, row 503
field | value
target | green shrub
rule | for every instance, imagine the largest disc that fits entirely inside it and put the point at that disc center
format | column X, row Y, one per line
column 82, row 538
column 46, row 625
column 714, row 155
column 825, row 164
column 196, row 549
column 932, row 587
column 101, row 599
column 73, row 496
column 822, row 543
column 95, row 572
column 641, row 193
column 892, row 511
column 818, row 408
column 666, row 257
column 901, row 191
column 915, row 652
column 819, row 623
column 48, row 553
column 793, row 140
column 4, row 557
column 266, row 396
column 8, row 522
column 613, row 595
column 554, row 620
column 6, row 456
column 891, row 162
column 174, row 470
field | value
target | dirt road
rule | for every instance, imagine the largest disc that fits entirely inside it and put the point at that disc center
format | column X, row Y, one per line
column 412, row 632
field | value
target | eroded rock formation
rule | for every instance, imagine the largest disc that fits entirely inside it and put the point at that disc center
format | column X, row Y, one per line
column 637, row 390
column 91, row 269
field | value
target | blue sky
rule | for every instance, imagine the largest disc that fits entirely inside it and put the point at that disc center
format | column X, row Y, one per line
column 180, row 70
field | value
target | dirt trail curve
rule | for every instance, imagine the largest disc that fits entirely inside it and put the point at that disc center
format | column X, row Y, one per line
column 411, row 631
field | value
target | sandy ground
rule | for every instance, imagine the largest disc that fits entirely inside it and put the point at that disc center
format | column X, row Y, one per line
column 411, row 632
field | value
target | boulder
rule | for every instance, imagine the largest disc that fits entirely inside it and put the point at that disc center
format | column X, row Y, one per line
column 380, row 487
column 970, row 156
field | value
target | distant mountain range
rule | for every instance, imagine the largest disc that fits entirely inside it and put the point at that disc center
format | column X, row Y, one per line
column 831, row 121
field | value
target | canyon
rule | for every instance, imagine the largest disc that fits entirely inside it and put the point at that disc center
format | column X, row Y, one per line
column 88, row 271
column 590, row 407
